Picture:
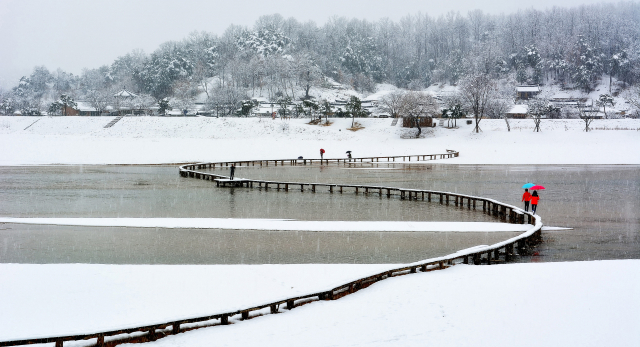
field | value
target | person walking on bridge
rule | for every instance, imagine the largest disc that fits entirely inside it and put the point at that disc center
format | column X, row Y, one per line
column 534, row 201
column 321, row 153
column 233, row 171
column 526, row 197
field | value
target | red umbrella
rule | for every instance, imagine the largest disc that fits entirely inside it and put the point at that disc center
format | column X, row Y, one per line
column 536, row 187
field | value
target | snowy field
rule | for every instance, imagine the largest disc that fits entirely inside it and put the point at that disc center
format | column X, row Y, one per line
column 548, row 304
column 154, row 140
column 593, row 303
column 553, row 304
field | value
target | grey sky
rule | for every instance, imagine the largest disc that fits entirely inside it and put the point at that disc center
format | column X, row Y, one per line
column 74, row 34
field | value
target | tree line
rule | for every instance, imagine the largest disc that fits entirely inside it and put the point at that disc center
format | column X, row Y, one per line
column 283, row 58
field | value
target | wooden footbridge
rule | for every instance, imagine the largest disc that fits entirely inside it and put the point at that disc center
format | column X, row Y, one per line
column 497, row 253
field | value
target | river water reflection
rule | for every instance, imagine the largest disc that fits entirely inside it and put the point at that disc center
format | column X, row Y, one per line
column 599, row 202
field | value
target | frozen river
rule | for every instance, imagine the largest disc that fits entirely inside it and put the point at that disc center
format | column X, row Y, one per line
column 599, row 202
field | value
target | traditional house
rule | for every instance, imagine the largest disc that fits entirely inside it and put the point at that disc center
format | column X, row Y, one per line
column 526, row 92
column 425, row 122
column 82, row 108
column 518, row 111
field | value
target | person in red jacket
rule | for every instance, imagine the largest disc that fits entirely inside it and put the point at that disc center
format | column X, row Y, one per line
column 534, row 201
column 526, row 197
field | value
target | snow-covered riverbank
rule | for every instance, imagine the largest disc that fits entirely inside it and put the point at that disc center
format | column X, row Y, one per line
column 154, row 140
column 548, row 304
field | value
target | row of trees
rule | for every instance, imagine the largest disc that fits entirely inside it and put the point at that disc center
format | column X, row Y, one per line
column 281, row 57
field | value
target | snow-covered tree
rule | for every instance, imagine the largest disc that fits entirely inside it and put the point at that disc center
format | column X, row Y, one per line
column 478, row 91
column 166, row 66
column 307, row 71
column 354, row 107
column 416, row 105
column 360, row 56
column 325, row 108
column 264, row 42
column 587, row 64
column 587, row 115
column 391, row 103
column 99, row 98
column 603, row 101
column 164, row 106
column 7, row 105
column 283, row 106
column 311, row 107
column 61, row 105
column 537, row 109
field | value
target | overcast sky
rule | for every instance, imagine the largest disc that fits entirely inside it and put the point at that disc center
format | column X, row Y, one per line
column 77, row 34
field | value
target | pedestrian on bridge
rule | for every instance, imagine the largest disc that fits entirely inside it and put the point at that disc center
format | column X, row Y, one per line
column 321, row 153
column 233, row 171
column 534, row 201
column 526, row 197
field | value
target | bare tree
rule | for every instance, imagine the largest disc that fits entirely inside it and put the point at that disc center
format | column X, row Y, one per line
column 633, row 96
column 586, row 115
column 392, row 102
column 417, row 105
column 478, row 90
column 99, row 99
column 227, row 99
column 142, row 102
column 201, row 74
column 185, row 92
column 307, row 72
column 537, row 108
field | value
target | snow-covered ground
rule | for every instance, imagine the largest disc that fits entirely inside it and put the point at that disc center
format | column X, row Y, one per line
column 55, row 300
column 551, row 304
column 593, row 303
column 153, row 140
column 581, row 304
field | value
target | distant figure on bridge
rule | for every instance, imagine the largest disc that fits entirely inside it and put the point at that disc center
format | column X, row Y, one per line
column 526, row 197
column 233, row 171
column 349, row 155
column 321, row 153
column 534, row 201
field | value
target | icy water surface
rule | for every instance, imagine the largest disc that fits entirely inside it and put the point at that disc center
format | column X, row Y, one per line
column 599, row 202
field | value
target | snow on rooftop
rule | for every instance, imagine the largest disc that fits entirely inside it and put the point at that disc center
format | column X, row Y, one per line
column 527, row 88
column 85, row 106
column 124, row 94
column 519, row 109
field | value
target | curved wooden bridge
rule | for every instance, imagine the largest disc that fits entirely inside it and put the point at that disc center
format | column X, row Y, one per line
column 496, row 253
